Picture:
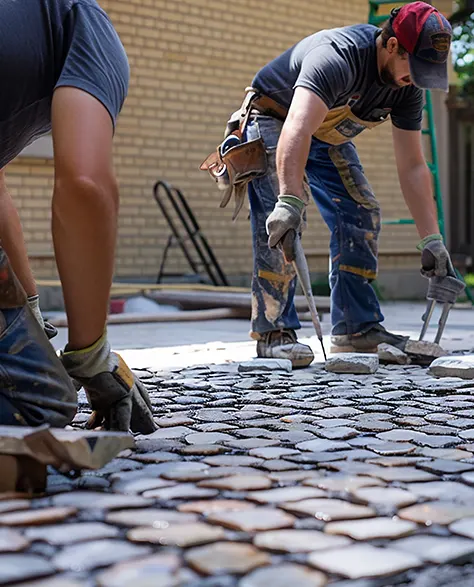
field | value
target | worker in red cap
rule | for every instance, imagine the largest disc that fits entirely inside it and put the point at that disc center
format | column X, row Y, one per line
column 307, row 105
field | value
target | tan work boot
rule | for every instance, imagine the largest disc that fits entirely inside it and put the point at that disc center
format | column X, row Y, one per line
column 283, row 344
column 367, row 342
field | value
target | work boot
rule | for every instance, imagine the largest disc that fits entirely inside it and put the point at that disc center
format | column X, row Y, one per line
column 283, row 344
column 367, row 342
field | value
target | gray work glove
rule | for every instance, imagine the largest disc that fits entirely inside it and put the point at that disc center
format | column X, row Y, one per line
column 119, row 400
column 288, row 215
column 435, row 259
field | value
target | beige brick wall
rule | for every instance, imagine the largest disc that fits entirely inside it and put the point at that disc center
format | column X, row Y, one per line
column 190, row 63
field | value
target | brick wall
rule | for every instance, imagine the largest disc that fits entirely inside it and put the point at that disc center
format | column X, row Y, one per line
column 190, row 63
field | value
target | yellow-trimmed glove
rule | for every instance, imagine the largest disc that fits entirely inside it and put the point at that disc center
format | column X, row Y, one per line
column 118, row 399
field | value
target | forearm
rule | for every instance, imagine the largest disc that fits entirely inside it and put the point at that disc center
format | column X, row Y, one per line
column 291, row 156
column 416, row 184
column 12, row 241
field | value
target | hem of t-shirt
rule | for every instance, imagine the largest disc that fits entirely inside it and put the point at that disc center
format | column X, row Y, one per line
column 315, row 91
column 406, row 125
column 91, row 89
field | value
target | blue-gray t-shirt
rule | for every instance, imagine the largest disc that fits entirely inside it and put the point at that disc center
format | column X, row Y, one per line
column 45, row 44
column 340, row 66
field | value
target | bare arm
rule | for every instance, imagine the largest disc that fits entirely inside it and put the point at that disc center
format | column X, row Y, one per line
column 12, row 241
column 306, row 114
column 415, row 180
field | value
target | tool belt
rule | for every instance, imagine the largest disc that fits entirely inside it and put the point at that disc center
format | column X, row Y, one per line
column 236, row 167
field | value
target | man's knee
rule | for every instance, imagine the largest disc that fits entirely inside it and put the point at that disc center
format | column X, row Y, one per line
column 88, row 186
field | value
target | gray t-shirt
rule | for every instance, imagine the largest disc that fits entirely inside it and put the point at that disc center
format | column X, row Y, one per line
column 340, row 66
column 35, row 41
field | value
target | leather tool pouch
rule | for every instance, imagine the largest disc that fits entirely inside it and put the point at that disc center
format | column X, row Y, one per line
column 239, row 165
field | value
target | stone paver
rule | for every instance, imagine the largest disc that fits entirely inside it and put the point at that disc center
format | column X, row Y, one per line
column 261, row 476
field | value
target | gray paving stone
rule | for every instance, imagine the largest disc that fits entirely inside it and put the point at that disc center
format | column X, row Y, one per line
column 436, row 549
column 238, row 483
column 226, row 557
column 20, row 567
column 158, row 456
column 359, row 363
column 208, row 437
column 317, row 457
column 445, row 467
column 339, row 433
column 322, row 445
column 329, row 510
column 181, row 491
column 372, row 529
column 159, row 570
column 460, row 366
column 97, row 500
column 61, row 580
column 386, row 496
column 171, row 432
column 363, row 561
column 250, row 443
column 463, row 527
column 281, row 494
column 272, row 452
column 297, row 541
column 254, row 520
column 451, row 454
column 392, row 448
column 203, row 449
column 443, row 490
column 182, row 535
column 150, row 517
column 175, row 420
column 12, row 505
column 234, row 460
column 284, row 575
column 343, row 484
column 37, row 516
column 403, row 474
column 72, row 533
column 208, row 506
column 12, row 541
column 97, row 553
column 390, row 354
column 265, row 365
column 442, row 513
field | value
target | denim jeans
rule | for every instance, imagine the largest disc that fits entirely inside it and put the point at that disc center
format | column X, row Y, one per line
column 348, row 206
column 34, row 386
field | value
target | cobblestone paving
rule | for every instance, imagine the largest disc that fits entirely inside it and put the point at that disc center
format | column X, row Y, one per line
column 266, row 479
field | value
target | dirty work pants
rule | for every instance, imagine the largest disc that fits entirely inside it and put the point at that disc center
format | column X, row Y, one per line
column 348, row 206
column 34, row 386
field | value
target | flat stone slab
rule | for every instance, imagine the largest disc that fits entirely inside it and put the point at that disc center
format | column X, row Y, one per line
column 159, row 570
column 12, row 541
column 265, row 365
column 71, row 533
column 150, row 517
column 344, row 484
column 36, row 517
column 364, row 561
column 284, row 575
column 182, row 535
column 372, row 529
column 328, row 510
column 98, row 553
column 253, row 520
column 390, row 354
column 463, row 527
column 443, row 513
column 209, row 506
column 293, row 541
column 385, row 496
column 459, row 366
column 285, row 494
column 238, row 483
column 20, row 567
column 226, row 557
column 436, row 549
column 356, row 363
column 424, row 348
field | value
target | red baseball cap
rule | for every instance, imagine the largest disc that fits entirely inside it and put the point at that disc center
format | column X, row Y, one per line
column 426, row 34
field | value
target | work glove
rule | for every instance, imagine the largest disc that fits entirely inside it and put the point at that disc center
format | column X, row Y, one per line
column 49, row 329
column 118, row 399
column 435, row 259
column 288, row 215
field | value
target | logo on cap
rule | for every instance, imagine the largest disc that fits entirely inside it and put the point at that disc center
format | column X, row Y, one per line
column 441, row 42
